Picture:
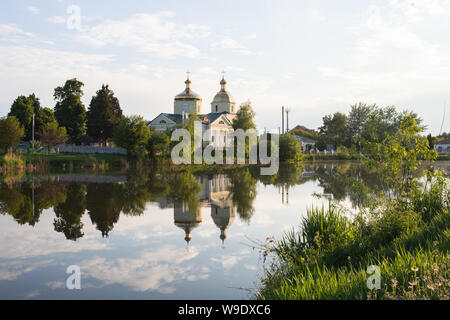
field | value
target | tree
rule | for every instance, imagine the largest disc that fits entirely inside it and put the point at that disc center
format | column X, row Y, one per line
column 103, row 114
column 334, row 129
column 357, row 119
column 42, row 118
column 69, row 110
column 132, row 134
column 290, row 149
column 158, row 144
column 245, row 117
column 11, row 132
column 399, row 155
column 52, row 134
column 22, row 109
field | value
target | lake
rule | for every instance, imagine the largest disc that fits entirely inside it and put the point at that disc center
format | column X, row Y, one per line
column 155, row 235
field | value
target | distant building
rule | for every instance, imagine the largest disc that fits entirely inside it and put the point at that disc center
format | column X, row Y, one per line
column 307, row 144
column 219, row 120
column 442, row 147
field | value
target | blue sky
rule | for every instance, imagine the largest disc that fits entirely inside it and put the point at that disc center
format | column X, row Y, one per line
column 316, row 57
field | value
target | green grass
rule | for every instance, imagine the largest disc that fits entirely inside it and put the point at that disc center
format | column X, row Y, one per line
column 62, row 160
column 329, row 256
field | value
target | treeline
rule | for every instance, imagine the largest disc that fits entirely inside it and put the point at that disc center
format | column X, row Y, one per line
column 364, row 121
column 68, row 121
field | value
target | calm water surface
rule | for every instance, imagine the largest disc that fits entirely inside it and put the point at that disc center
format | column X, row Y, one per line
column 147, row 235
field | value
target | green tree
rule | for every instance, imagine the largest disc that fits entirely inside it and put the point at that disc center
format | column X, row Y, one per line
column 358, row 118
column 69, row 110
column 23, row 108
column 334, row 129
column 158, row 144
column 398, row 156
column 290, row 149
column 52, row 134
column 103, row 114
column 43, row 117
column 245, row 117
column 132, row 134
column 11, row 132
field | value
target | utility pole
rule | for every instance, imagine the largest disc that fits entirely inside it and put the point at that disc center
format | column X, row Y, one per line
column 282, row 120
column 287, row 118
column 32, row 134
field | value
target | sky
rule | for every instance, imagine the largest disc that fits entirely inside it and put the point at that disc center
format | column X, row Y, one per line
column 314, row 57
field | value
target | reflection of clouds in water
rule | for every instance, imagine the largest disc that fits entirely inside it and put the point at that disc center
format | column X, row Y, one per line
column 22, row 241
column 55, row 284
column 11, row 270
column 206, row 233
column 227, row 262
column 151, row 270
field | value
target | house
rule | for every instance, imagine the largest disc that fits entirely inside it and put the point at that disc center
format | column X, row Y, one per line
column 442, row 147
column 306, row 143
column 219, row 120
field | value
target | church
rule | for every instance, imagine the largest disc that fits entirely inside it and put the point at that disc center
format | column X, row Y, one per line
column 219, row 120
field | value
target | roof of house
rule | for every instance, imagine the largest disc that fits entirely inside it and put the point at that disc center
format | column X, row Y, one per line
column 305, row 139
column 300, row 127
column 178, row 118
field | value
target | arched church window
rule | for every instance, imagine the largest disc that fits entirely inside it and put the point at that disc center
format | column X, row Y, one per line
column 163, row 121
column 217, row 108
column 221, row 122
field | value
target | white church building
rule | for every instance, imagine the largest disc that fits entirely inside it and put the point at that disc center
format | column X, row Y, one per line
column 219, row 120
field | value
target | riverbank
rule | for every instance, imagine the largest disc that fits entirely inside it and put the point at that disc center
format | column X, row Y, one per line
column 346, row 157
column 42, row 162
column 330, row 257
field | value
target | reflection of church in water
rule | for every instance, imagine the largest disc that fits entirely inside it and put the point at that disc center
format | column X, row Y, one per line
column 214, row 194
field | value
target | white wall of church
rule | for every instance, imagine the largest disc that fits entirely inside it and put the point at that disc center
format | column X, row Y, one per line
column 188, row 106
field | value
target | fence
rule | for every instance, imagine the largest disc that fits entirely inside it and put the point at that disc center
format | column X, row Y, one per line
column 88, row 149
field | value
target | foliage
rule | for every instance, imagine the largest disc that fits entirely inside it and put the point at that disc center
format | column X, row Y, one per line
column 70, row 112
column 158, row 144
column 52, row 134
column 399, row 155
column 11, row 132
column 245, row 117
column 103, row 114
column 334, row 129
column 405, row 233
column 368, row 122
column 290, row 149
column 132, row 134
column 11, row 161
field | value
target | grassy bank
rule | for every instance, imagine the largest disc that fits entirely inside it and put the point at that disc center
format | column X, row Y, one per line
column 329, row 256
column 42, row 161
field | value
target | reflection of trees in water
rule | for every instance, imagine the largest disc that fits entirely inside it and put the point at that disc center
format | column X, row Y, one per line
column 69, row 213
column 243, row 193
column 25, row 201
column 105, row 201
column 102, row 205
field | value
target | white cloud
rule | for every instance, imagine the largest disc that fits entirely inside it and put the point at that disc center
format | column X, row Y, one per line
column 231, row 44
column 56, row 19
column 153, row 270
column 315, row 15
column 391, row 58
column 13, row 32
column 150, row 33
column 33, row 10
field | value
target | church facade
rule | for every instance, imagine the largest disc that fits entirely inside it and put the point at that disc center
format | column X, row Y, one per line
column 219, row 121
